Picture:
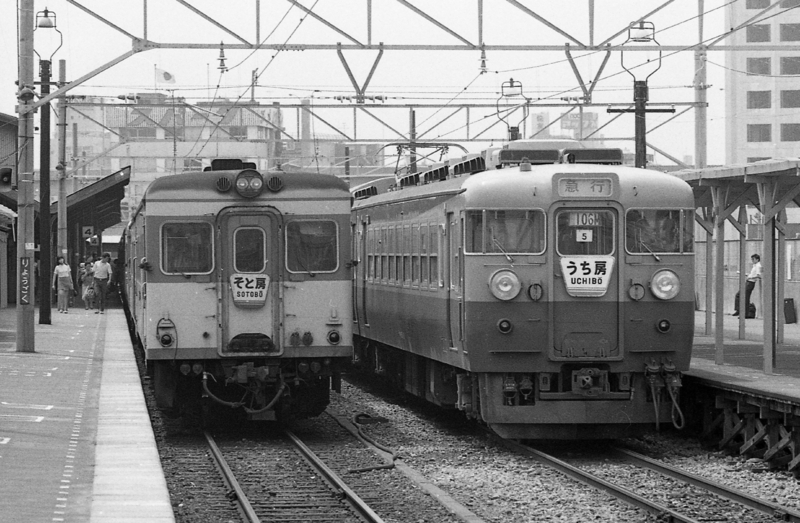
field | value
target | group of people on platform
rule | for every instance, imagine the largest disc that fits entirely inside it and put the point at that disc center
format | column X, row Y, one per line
column 94, row 278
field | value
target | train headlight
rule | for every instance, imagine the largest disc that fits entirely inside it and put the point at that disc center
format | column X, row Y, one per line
column 165, row 340
column 334, row 337
column 504, row 284
column 665, row 285
column 249, row 183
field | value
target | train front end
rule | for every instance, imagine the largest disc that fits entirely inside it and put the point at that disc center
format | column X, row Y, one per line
column 578, row 298
column 241, row 290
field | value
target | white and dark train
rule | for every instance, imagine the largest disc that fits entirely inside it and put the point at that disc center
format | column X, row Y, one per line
column 238, row 287
column 550, row 295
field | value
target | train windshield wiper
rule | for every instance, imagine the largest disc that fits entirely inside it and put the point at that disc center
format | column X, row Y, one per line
column 497, row 244
column 650, row 251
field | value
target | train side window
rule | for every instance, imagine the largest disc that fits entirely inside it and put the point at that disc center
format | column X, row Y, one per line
column 585, row 232
column 406, row 255
column 370, row 254
column 434, row 256
column 391, row 254
column 415, row 254
column 504, row 231
column 687, row 238
column 653, row 231
column 312, row 246
column 186, row 248
column 249, row 249
column 424, row 254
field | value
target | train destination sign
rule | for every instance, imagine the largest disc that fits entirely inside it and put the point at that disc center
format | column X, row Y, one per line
column 587, row 276
column 585, row 187
column 249, row 289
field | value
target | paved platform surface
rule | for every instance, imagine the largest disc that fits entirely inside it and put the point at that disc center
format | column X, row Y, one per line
column 744, row 359
column 76, row 444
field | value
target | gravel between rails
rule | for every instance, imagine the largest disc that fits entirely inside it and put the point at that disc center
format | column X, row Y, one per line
column 503, row 487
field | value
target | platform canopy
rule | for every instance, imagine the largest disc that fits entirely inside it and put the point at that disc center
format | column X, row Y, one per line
column 97, row 204
column 722, row 194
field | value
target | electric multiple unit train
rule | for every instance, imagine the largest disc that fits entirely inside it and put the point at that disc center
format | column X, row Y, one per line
column 550, row 295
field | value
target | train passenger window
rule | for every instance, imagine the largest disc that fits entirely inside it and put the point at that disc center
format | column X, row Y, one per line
column 312, row 246
column 186, row 248
column 415, row 263
column 505, row 231
column 424, row 251
column 249, row 249
column 650, row 231
column 585, row 232
column 434, row 257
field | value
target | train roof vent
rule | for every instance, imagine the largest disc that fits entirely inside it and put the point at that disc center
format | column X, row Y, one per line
column 366, row 192
column 436, row 174
column 595, row 156
column 534, row 157
column 411, row 179
column 472, row 165
column 227, row 164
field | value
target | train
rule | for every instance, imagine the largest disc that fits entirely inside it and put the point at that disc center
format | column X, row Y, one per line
column 545, row 289
column 238, row 289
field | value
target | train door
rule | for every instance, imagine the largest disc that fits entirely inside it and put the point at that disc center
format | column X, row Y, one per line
column 360, row 275
column 249, row 274
column 455, row 312
column 585, row 276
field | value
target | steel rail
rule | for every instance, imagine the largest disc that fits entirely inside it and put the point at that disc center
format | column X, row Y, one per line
column 355, row 501
column 781, row 513
column 593, row 481
column 230, row 479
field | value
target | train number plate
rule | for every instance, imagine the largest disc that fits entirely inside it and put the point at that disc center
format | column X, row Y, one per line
column 585, row 187
column 249, row 289
column 587, row 276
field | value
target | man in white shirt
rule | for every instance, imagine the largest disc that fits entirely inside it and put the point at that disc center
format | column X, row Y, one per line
column 102, row 273
column 752, row 277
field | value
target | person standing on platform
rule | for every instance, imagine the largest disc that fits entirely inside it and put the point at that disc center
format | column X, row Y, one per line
column 755, row 274
column 102, row 273
column 87, row 284
column 62, row 282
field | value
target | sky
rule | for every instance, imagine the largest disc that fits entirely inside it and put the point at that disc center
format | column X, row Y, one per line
column 401, row 76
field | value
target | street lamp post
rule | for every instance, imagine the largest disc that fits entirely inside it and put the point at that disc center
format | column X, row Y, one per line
column 45, row 20
column 641, row 32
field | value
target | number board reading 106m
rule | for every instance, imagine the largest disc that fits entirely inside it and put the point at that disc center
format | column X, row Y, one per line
column 584, row 187
column 584, row 219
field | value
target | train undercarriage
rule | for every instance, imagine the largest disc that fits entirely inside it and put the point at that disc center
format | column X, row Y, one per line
column 581, row 401
column 266, row 391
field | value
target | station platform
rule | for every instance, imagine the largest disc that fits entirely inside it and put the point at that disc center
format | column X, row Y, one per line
column 743, row 359
column 76, row 443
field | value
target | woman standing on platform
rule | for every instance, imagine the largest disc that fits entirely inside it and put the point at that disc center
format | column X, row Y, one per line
column 62, row 281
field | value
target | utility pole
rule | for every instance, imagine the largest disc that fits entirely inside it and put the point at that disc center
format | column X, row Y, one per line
column 25, row 239
column 412, row 134
column 640, row 110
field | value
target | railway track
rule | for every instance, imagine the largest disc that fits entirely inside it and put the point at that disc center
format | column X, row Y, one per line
column 666, row 492
column 301, row 486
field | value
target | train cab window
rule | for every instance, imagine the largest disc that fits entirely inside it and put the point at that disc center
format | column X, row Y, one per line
column 186, row 248
column 650, row 231
column 312, row 246
column 585, row 232
column 249, row 250
column 505, row 231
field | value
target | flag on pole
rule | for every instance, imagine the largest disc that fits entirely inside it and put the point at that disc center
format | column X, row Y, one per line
column 164, row 77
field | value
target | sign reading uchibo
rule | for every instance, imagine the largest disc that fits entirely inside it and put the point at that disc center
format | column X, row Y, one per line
column 249, row 289
column 587, row 276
